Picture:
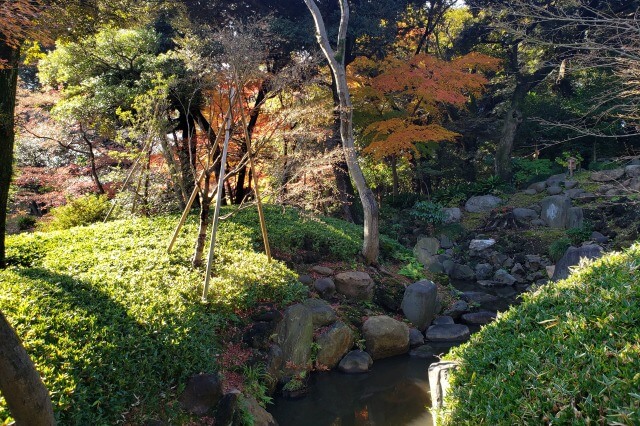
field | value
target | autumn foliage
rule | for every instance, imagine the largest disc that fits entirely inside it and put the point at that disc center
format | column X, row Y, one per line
column 407, row 99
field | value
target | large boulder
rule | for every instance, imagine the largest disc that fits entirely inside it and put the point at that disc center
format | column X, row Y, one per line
column 482, row 203
column 555, row 211
column 503, row 277
column 385, row 337
column 479, row 318
column 452, row 214
column 632, row 171
column 575, row 217
column 556, row 179
column 425, row 250
column 484, row 271
column 554, row 190
column 325, row 287
column 479, row 245
column 462, row 272
column 524, row 214
column 538, row 186
column 260, row 416
column 607, row 175
column 334, row 343
column 355, row 362
column 321, row 312
column 201, row 394
column 447, row 333
column 420, row 302
column 355, row 285
column 572, row 257
column 294, row 335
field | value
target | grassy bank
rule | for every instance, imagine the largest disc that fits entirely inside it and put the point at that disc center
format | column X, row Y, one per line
column 570, row 354
column 115, row 325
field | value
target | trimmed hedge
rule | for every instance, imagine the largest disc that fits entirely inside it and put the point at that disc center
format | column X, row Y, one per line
column 569, row 354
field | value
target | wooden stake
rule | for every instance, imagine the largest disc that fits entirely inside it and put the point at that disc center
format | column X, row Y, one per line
column 216, row 213
column 263, row 223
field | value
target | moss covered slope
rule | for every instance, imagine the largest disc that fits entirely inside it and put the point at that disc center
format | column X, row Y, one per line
column 116, row 325
column 570, row 354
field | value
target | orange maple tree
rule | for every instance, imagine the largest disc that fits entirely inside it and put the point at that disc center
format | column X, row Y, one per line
column 406, row 100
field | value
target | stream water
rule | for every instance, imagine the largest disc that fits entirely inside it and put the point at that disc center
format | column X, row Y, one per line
column 394, row 393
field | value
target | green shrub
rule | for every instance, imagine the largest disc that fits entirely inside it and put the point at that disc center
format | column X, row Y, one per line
column 526, row 171
column 569, row 354
column 558, row 248
column 78, row 212
column 26, row 222
column 578, row 235
column 427, row 212
column 454, row 195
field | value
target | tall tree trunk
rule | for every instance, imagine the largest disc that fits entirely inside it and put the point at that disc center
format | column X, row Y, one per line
column 21, row 386
column 336, row 59
column 346, row 193
column 92, row 163
column 8, row 84
column 505, row 145
column 205, row 207
column 253, row 120
column 187, row 150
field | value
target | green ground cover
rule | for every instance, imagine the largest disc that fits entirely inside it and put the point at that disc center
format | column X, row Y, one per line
column 115, row 324
column 569, row 354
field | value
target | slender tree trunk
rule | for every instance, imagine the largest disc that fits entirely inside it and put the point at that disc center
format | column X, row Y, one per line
column 505, row 146
column 8, row 84
column 205, row 207
column 336, row 59
column 21, row 386
column 187, row 150
column 92, row 162
column 176, row 181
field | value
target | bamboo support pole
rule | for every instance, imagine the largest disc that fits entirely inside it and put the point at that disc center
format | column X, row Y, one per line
column 263, row 223
column 216, row 213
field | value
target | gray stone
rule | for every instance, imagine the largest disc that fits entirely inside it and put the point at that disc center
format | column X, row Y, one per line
column 355, row 362
column 226, row 411
column 416, row 338
column 322, row 270
column 599, row 238
column 484, row 271
column 425, row 250
column 479, row 245
column 529, row 192
column 482, row 203
column 447, row 333
column 385, row 337
column 445, row 242
column 538, row 186
column 508, row 264
column 574, row 193
column 478, row 297
column 321, row 312
column 533, row 262
column 439, row 382
column 355, row 285
column 448, row 266
column 420, row 302
column 503, row 277
column 572, row 257
column 462, row 272
column 586, row 197
column 275, row 362
column 452, row 215
column 201, row 394
column 305, row 279
column 424, row 352
column 457, row 309
column 294, row 335
column 536, row 208
column 554, row 190
column 575, row 218
column 260, row 416
column 325, row 287
column 538, row 222
column 334, row 343
column 445, row 319
column 479, row 318
column 570, row 184
column 607, row 175
column 524, row 214
column 555, row 211
column 632, row 171
column 518, row 272
column 556, row 179
column 487, row 283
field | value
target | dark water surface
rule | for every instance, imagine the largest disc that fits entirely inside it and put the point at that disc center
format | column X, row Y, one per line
column 394, row 393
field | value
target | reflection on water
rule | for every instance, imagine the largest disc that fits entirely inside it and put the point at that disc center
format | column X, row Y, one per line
column 394, row 393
